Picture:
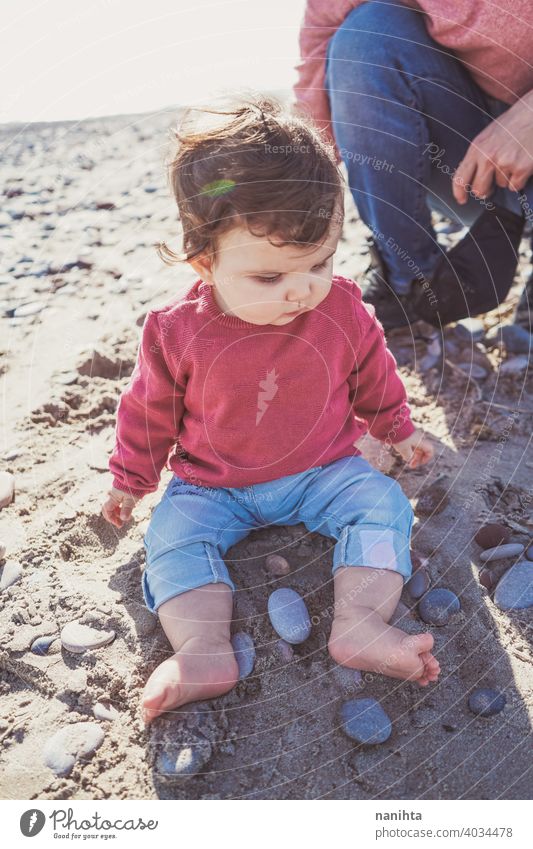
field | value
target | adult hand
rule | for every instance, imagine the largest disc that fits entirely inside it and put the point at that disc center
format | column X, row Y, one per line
column 118, row 507
column 502, row 152
column 416, row 450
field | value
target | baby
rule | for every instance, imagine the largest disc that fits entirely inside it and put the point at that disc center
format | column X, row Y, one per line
column 253, row 388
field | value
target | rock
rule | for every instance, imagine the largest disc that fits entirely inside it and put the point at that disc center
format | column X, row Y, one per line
column 486, row 702
column 29, row 309
column 418, row 584
column 11, row 573
column 284, row 650
column 243, row 646
column 487, row 579
column 78, row 638
column 513, row 337
column 365, row 721
column 432, row 355
column 105, row 710
column 470, row 329
column 289, row 616
column 491, row 535
column 515, row 365
column 2, row 551
column 71, row 744
column 277, row 565
column 438, row 606
column 515, row 588
column 176, row 760
column 474, row 370
column 529, row 552
column 7, row 488
column 66, row 378
column 432, row 500
column 41, row 644
column 500, row 552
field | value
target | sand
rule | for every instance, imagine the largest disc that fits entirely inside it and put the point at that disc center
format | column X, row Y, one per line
column 85, row 203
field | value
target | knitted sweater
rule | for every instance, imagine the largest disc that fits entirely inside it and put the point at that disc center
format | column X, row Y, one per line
column 227, row 403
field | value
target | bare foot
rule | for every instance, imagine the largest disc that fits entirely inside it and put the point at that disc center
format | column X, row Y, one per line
column 362, row 640
column 202, row 669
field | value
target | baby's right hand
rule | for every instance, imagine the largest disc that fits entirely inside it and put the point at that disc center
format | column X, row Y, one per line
column 117, row 509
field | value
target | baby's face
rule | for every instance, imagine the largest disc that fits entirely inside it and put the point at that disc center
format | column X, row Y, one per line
column 264, row 284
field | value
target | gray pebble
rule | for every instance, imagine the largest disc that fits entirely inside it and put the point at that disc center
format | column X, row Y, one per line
column 515, row 588
column 515, row 338
column 365, row 721
column 500, row 552
column 42, row 644
column 105, row 710
column 486, row 702
column 77, row 638
column 515, row 365
column 11, row 573
column 438, row 606
column 244, row 649
column 29, row 309
column 70, row 744
column 529, row 552
column 470, row 329
column 289, row 615
column 418, row 584
column 176, row 760
column 277, row 565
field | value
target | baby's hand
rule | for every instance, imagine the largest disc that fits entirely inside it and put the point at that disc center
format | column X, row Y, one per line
column 416, row 450
column 117, row 509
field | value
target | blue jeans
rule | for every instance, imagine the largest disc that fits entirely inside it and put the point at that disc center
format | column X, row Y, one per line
column 404, row 111
column 193, row 526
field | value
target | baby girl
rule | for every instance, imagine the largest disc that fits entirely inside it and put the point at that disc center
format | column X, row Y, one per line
column 252, row 388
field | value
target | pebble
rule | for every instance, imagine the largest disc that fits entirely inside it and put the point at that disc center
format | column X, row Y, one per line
column 515, row 365
column 41, row 644
column 285, row 651
column 418, row 584
column 486, row 702
column 432, row 500
column 470, row 329
column 491, row 535
column 2, row 551
column 243, row 646
column 487, row 579
column 438, row 606
column 288, row 615
column 365, row 721
column 515, row 338
column 178, row 761
column 7, row 488
column 105, row 710
column 474, row 370
column 529, row 552
column 432, row 355
column 11, row 573
column 67, row 378
column 500, row 552
column 277, row 565
column 77, row 638
column 28, row 309
column 70, row 744
column 515, row 588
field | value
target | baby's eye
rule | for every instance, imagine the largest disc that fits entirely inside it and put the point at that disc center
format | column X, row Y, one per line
column 277, row 277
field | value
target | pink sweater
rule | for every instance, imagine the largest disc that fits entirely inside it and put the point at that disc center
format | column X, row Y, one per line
column 492, row 38
column 236, row 403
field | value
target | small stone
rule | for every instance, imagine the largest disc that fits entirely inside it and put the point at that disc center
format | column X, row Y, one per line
column 365, row 721
column 418, row 584
column 432, row 500
column 491, row 535
column 289, row 615
column 41, row 644
column 77, row 638
column 486, row 702
column 470, row 329
column 67, row 378
column 28, row 309
column 176, row 760
column 70, row 744
column 277, row 565
column 2, row 551
column 500, row 552
column 438, row 606
column 105, row 710
column 487, row 579
column 515, row 338
column 515, row 365
column 7, row 488
column 244, row 649
column 284, row 650
column 515, row 588
column 11, row 573
column 529, row 552
column 474, row 370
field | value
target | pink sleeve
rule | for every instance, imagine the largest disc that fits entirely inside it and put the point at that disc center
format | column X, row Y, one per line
column 148, row 417
column 377, row 392
column 321, row 20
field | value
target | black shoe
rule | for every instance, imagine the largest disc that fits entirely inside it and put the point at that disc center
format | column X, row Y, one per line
column 476, row 274
column 392, row 310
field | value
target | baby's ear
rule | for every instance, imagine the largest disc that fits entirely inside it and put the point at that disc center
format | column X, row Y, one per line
column 202, row 267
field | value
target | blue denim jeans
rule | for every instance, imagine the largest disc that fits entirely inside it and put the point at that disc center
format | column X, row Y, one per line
column 404, row 111
column 193, row 526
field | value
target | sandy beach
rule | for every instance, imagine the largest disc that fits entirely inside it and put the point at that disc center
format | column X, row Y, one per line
column 84, row 204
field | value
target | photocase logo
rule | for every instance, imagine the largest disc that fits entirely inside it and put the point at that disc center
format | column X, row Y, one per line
column 269, row 388
column 32, row 822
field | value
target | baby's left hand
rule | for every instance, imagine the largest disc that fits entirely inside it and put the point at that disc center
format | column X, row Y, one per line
column 416, row 450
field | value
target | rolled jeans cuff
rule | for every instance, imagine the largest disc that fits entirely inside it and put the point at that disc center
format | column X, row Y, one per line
column 375, row 546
